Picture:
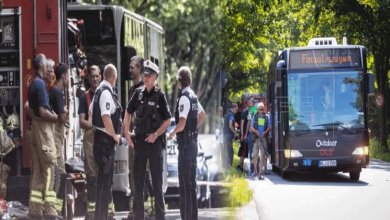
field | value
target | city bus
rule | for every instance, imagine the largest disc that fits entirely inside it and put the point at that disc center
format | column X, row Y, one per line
column 319, row 115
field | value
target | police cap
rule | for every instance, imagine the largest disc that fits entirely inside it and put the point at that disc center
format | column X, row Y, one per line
column 150, row 67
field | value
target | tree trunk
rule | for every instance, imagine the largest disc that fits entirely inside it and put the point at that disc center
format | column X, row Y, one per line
column 381, row 72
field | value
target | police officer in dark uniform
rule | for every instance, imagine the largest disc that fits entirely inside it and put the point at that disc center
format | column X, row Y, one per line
column 106, row 117
column 189, row 116
column 151, row 109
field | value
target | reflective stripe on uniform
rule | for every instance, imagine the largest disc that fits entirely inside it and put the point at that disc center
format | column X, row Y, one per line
column 50, row 196
column 59, row 204
column 36, row 193
column 36, row 200
column 91, row 206
column 36, row 196
column 111, row 206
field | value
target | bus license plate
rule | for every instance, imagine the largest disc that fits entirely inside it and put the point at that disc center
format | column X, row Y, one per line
column 327, row 163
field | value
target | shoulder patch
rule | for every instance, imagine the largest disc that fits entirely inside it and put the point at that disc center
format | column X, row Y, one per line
column 107, row 105
column 181, row 108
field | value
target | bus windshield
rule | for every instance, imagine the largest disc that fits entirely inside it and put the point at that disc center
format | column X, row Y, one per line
column 325, row 100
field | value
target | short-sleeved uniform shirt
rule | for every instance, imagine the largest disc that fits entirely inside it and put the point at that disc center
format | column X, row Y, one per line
column 106, row 102
column 185, row 102
column 57, row 100
column 162, row 105
column 83, row 103
column 37, row 95
column 228, row 117
column 134, row 87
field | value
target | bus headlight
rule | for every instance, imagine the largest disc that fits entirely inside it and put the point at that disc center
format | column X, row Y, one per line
column 361, row 151
column 292, row 153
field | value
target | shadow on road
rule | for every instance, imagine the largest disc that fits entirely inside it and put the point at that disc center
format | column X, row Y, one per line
column 378, row 164
column 333, row 179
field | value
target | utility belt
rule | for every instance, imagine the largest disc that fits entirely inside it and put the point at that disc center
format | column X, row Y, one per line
column 186, row 136
column 104, row 137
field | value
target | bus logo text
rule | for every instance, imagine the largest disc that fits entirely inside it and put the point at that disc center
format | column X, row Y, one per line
column 327, row 143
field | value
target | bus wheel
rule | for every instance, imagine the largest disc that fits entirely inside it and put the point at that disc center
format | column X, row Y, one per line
column 354, row 176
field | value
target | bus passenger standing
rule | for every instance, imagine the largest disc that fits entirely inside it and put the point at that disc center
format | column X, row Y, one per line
column 43, row 152
column 229, row 134
column 257, row 128
column 189, row 116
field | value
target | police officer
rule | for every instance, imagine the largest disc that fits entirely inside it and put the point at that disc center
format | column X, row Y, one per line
column 136, row 70
column 150, row 106
column 85, row 101
column 57, row 101
column 42, row 147
column 189, row 116
column 106, row 117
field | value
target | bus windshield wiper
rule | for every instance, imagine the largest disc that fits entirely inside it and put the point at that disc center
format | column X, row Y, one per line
column 337, row 124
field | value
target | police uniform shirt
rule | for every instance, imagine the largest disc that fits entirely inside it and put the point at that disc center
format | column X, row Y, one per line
column 162, row 105
column 83, row 103
column 57, row 101
column 134, row 87
column 184, row 104
column 37, row 96
column 106, row 103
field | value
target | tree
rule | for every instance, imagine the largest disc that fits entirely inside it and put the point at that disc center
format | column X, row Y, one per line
column 367, row 23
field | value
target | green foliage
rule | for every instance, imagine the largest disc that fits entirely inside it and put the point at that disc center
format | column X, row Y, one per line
column 377, row 151
column 239, row 192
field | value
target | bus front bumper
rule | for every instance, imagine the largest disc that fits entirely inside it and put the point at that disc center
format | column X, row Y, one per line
column 328, row 164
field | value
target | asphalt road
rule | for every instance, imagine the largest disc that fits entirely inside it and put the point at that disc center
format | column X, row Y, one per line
column 325, row 197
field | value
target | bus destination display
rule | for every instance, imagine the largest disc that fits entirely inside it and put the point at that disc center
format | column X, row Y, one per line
column 324, row 58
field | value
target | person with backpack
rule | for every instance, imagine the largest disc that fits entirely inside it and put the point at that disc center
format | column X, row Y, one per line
column 258, row 123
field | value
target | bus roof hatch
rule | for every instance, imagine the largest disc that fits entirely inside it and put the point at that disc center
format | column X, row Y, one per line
column 322, row 41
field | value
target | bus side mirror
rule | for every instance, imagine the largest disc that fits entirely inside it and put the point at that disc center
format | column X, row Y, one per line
column 127, row 54
column 371, row 83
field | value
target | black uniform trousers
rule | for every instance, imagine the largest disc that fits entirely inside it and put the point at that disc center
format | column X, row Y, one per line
column 104, row 154
column 188, row 152
column 142, row 152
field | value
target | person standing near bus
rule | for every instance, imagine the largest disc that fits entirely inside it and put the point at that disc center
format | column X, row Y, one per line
column 257, row 128
column 85, row 101
column 252, row 111
column 153, row 117
column 106, row 118
column 229, row 133
column 57, row 101
column 245, row 126
column 42, row 148
column 189, row 116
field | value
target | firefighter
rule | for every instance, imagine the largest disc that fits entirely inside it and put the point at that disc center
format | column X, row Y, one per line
column 94, row 78
column 189, row 116
column 43, row 153
column 106, row 118
column 57, row 101
column 150, row 106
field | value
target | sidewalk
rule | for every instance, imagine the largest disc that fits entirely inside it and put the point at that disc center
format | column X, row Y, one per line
column 249, row 211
